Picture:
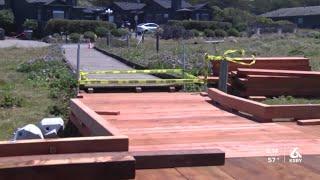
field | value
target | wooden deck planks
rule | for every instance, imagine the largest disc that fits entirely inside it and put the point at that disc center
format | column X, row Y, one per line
column 240, row 169
column 167, row 121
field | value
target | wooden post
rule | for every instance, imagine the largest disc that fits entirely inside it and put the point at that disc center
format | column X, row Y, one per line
column 108, row 38
column 157, row 42
column 223, row 76
column 142, row 38
column 78, row 67
column 128, row 41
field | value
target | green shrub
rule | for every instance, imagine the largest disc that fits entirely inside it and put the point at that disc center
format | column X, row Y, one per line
column 90, row 35
column 233, row 32
column 119, row 32
column 8, row 100
column 101, row 31
column 175, row 32
column 76, row 26
column 30, row 24
column 220, row 33
column 75, row 37
column 209, row 33
column 195, row 33
column 201, row 25
column 6, row 19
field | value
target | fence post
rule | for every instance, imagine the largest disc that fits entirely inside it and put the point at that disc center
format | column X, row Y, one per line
column 223, row 76
column 142, row 38
column 183, row 63
column 108, row 38
column 78, row 68
column 157, row 42
column 128, row 40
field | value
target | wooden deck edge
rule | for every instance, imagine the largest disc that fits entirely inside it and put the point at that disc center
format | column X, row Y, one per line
column 64, row 146
column 238, row 104
column 90, row 120
column 97, row 166
column 308, row 122
column 178, row 158
column 263, row 112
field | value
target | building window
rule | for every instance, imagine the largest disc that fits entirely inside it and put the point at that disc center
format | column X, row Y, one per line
column 204, row 17
column 300, row 20
column 166, row 15
column 57, row 14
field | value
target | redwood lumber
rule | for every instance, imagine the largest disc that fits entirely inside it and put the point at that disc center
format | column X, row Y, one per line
column 91, row 120
column 85, row 166
column 178, row 158
column 280, row 63
column 308, row 122
column 64, row 146
column 265, row 112
column 244, row 105
column 271, row 72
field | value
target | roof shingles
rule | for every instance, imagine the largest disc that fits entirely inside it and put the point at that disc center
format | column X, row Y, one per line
column 297, row 11
column 130, row 5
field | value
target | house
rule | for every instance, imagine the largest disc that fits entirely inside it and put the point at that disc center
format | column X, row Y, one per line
column 2, row 4
column 304, row 17
column 41, row 10
column 158, row 11
column 131, row 12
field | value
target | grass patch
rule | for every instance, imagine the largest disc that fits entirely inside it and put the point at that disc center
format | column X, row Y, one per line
column 170, row 54
column 285, row 100
column 32, row 86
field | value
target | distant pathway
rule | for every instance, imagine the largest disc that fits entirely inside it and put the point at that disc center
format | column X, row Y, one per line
column 22, row 43
column 93, row 60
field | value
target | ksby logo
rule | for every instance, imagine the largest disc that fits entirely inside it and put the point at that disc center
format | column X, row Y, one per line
column 295, row 156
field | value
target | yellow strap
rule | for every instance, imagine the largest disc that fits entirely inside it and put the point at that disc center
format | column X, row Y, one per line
column 225, row 57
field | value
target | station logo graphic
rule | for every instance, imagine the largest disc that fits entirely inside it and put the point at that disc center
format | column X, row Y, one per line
column 295, row 156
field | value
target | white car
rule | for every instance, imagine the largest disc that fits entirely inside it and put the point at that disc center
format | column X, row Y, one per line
column 147, row 27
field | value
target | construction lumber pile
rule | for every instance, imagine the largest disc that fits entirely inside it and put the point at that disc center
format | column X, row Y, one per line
column 283, row 63
column 267, row 82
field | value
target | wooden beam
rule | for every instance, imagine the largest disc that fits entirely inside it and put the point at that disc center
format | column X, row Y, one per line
column 64, row 146
column 178, row 158
column 240, row 104
column 88, row 166
column 265, row 113
column 271, row 72
column 308, row 122
column 91, row 120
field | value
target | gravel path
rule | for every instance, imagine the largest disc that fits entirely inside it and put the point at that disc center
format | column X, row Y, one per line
column 22, row 43
column 93, row 60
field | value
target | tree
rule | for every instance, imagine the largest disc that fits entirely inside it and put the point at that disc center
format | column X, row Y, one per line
column 6, row 19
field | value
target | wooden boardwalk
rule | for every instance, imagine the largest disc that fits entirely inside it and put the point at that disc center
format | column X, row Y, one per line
column 184, row 121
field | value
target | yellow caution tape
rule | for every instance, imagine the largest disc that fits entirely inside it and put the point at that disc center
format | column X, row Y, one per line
column 187, row 78
column 226, row 54
column 140, row 81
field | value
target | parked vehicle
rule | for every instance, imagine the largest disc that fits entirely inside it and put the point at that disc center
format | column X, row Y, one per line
column 147, row 27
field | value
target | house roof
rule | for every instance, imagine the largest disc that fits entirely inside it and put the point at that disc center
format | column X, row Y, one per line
column 296, row 11
column 199, row 6
column 167, row 3
column 42, row 1
column 130, row 5
column 2, row 2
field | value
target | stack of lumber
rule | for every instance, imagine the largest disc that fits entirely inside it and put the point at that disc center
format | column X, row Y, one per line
column 266, row 82
column 283, row 63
